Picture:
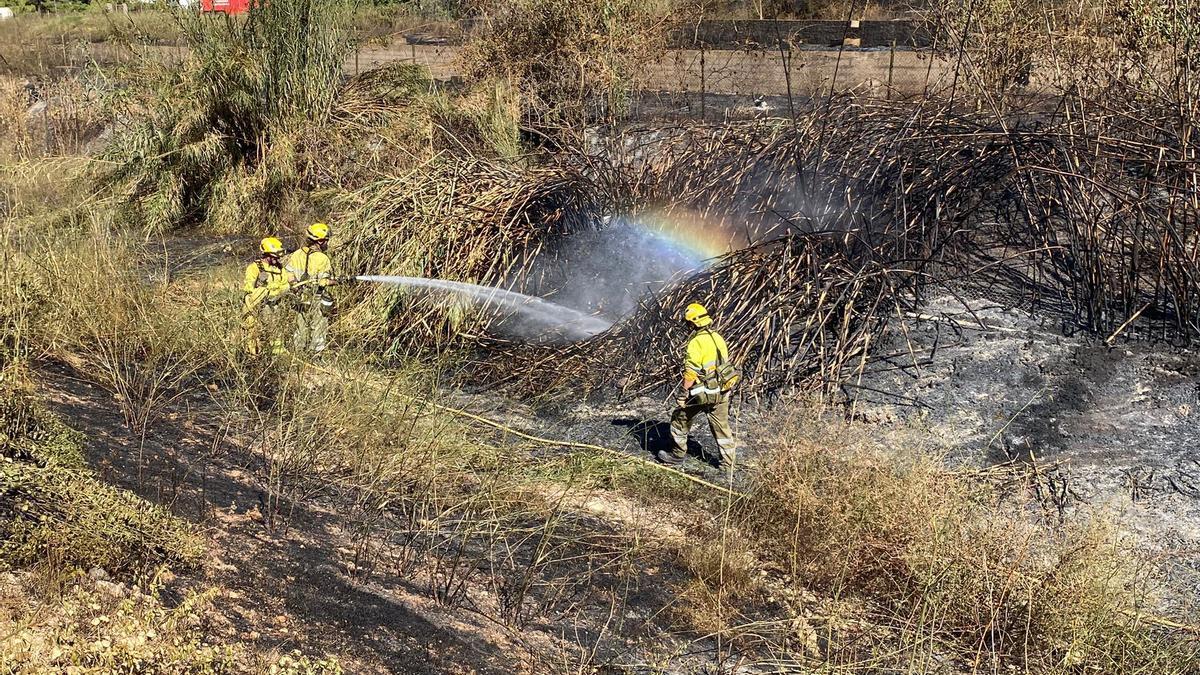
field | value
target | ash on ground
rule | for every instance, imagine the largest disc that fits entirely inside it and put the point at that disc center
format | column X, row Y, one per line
column 993, row 384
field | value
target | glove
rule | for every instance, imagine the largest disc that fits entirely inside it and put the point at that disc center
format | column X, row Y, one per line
column 681, row 401
column 278, row 288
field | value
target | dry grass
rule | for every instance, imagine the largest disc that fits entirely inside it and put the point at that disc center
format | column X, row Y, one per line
column 98, row 626
column 47, row 119
column 44, row 128
column 46, row 46
column 92, row 25
column 323, row 435
column 952, row 566
column 469, row 220
column 468, row 518
column 123, row 324
column 92, row 299
column 572, row 62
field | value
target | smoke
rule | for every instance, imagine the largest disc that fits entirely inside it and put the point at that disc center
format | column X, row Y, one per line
column 579, row 284
column 607, row 270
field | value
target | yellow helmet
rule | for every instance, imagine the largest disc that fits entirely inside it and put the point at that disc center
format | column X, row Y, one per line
column 271, row 246
column 318, row 231
column 696, row 315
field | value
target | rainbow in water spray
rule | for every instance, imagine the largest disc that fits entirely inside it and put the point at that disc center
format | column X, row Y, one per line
column 695, row 235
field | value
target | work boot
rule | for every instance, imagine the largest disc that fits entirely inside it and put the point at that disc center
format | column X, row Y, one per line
column 670, row 458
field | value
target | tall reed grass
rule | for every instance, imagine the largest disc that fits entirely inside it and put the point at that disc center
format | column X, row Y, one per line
column 212, row 141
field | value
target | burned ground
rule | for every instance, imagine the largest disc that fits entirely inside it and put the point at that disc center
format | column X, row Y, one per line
column 1110, row 424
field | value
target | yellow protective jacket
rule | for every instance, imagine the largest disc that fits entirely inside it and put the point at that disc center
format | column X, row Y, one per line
column 307, row 264
column 262, row 282
column 706, row 352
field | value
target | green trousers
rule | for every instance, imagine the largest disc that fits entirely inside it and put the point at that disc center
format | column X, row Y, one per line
column 718, row 423
column 312, row 325
column 259, row 324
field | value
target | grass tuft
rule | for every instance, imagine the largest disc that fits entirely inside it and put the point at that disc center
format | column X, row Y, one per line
column 943, row 554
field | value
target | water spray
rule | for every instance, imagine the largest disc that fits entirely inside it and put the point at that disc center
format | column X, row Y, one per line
column 575, row 324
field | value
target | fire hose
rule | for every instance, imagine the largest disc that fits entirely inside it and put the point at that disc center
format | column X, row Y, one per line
column 521, row 434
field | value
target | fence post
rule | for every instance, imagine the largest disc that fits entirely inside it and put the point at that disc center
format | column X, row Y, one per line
column 357, row 51
column 891, row 67
column 703, row 82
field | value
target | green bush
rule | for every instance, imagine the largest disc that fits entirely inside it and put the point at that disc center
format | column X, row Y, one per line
column 30, row 433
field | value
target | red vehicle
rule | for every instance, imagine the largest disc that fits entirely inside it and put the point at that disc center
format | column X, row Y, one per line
column 226, row 6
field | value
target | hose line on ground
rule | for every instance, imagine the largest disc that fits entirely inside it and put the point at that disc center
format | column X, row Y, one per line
column 521, row 434
column 1154, row 619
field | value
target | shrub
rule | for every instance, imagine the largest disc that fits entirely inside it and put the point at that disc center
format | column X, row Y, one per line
column 144, row 339
column 572, row 61
column 66, row 515
column 211, row 142
column 31, row 433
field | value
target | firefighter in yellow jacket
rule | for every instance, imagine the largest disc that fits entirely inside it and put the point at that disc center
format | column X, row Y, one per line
column 309, row 267
column 264, row 285
column 708, row 377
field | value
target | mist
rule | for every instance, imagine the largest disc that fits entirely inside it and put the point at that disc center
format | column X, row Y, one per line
column 608, row 270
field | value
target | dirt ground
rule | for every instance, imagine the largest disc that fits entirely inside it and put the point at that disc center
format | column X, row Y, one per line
column 300, row 583
column 285, row 589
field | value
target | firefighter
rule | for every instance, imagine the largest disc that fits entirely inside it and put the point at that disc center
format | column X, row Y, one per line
column 310, row 266
column 708, row 378
column 265, row 284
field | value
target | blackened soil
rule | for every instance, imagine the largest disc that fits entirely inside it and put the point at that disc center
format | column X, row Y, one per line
column 995, row 384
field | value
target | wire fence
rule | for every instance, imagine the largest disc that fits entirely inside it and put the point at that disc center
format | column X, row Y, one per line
column 718, row 83
column 709, row 83
column 719, row 70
